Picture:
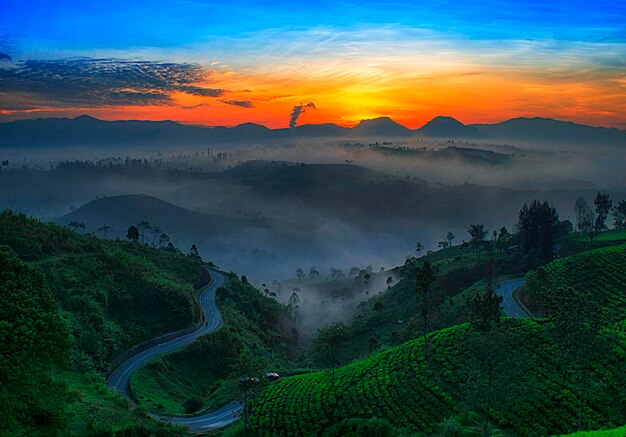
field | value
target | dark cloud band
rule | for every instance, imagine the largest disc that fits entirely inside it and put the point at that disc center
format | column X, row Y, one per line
column 95, row 82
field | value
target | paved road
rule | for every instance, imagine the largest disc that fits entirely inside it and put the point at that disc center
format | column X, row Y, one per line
column 509, row 305
column 120, row 378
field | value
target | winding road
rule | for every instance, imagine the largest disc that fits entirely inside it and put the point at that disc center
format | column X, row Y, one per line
column 509, row 305
column 120, row 377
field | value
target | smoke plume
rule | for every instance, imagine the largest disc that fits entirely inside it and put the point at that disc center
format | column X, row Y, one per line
column 297, row 110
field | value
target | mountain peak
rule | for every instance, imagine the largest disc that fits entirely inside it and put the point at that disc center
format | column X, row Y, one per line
column 448, row 127
column 381, row 126
column 85, row 117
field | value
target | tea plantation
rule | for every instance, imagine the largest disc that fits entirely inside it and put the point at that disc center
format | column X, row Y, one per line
column 403, row 387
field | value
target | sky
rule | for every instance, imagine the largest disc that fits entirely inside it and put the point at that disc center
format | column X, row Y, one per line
column 230, row 62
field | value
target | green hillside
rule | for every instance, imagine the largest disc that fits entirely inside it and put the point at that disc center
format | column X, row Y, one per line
column 617, row 432
column 598, row 273
column 251, row 342
column 401, row 386
column 110, row 296
column 461, row 272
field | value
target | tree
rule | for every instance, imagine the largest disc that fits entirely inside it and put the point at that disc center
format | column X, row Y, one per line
column 143, row 227
column 164, row 240
column 503, row 238
column 485, row 307
column 336, row 273
column 378, row 307
column 477, row 233
column 603, row 205
column 194, row 254
column 294, row 305
column 580, row 212
column 429, row 298
column 156, row 233
column 354, row 271
column 104, row 230
column 314, row 273
column 389, row 281
column 327, row 344
column 537, row 227
column 419, row 247
column 299, row 274
column 619, row 215
column 76, row 225
column 442, row 244
column 450, row 237
column 496, row 364
column 133, row 233
column 584, row 215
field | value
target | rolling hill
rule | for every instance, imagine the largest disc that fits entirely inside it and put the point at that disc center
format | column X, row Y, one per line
column 88, row 131
column 426, row 396
column 448, row 127
column 554, row 131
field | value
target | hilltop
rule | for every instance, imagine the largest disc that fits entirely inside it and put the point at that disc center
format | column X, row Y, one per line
column 448, row 127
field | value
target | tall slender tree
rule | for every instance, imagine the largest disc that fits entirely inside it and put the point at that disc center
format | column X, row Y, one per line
column 603, row 205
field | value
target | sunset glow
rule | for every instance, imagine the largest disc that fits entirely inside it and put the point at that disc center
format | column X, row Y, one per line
column 410, row 63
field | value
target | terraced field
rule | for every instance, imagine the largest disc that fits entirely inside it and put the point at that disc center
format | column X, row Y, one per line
column 401, row 386
column 601, row 272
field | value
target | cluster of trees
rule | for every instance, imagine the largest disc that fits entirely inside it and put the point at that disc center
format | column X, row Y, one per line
column 593, row 220
column 154, row 236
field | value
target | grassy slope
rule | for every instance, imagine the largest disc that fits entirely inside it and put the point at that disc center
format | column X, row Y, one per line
column 249, row 343
column 296, row 399
column 617, row 432
column 600, row 271
column 460, row 273
column 113, row 295
column 400, row 386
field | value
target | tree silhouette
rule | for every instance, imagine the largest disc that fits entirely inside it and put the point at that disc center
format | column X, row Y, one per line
column 619, row 216
column 327, row 343
column 299, row 274
column 450, row 237
column 419, row 247
column 603, row 205
column 537, row 226
column 429, row 298
column 133, row 233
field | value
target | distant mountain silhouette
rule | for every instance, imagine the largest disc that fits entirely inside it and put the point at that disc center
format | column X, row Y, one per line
column 380, row 127
column 550, row 130
column 448, row 127
column 88, row 131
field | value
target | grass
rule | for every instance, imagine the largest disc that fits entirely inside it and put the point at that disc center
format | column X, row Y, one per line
column 401, row 386
column 616, row 432
column 93, row 409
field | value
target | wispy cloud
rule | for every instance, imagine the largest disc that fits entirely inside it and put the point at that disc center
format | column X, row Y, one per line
column 97, row 82
column 242, row 103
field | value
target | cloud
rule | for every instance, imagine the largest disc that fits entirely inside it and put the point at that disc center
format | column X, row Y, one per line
column 4, row 57
column 242, row 103
column 96, row 82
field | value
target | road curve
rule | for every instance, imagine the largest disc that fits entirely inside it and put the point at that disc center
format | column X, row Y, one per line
column 120, row 378
column 509, row 305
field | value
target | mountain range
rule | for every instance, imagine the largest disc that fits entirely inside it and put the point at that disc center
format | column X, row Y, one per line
column 88, row 131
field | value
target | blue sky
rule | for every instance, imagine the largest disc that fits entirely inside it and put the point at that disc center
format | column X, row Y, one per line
column 170, row 24
column 478, row 60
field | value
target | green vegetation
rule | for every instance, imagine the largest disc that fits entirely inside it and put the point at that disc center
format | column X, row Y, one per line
column 401, row 386
column 617, row 432
column 106, row 296
column 250, row 343
column 599, row 273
